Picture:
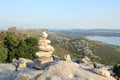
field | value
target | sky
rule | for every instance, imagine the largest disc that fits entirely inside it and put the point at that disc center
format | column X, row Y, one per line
column 60, row 14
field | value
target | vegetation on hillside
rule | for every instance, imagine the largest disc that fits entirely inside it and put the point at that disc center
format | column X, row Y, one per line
column 107, row 54
column 14, row 46
column 110, row 54
column 59, row 51
column 15, row 43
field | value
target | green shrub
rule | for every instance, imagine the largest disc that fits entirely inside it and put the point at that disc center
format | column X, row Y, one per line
column 16, row 47
column 116, row 70
column 31, row 41
column 11, row 41
column 3, row 53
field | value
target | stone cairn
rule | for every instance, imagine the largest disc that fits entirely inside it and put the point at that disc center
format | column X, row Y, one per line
column 44, row 57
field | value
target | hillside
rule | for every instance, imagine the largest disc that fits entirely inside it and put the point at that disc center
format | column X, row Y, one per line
column 98, row 51
column 77, row 48
column 109, row 53
column 80, row 47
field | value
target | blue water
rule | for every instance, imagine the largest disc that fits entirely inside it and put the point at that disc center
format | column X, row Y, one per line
column 107, row 40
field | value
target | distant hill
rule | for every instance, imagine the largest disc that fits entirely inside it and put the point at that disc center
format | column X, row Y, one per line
column 76, row 33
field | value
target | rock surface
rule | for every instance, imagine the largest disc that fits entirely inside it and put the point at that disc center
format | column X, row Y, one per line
column 66, row 70
column 102, row 71
column 60, row 70
column 7, row 72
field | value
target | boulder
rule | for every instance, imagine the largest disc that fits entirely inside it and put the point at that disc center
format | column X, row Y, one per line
column 102, row 71
column 66, row 57
column 59, row 71
column 97, row 65
column 21, row 63
column 86, row 60
column 68, row 70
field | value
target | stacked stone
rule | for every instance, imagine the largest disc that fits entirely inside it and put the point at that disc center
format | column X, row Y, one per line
column 43, row 57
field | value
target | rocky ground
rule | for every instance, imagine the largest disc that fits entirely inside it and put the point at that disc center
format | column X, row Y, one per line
column 7, row 72
column 58, row 70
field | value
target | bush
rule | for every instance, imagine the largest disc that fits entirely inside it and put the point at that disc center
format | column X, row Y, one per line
column 18, row 47
column 31, row 41
column 3, row 53
column 11, row 41
column 116, row 70
column 26, row 49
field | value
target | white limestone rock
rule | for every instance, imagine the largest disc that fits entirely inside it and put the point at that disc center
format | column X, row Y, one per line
column 22, row 63
column 60, row 70
column 66, row 57
column 44, row 34
column 43, row 54
column 86, row 60
column 86, row 66
column 47, row 48
column 44, row 42
column 102, row 71
column 66, row 70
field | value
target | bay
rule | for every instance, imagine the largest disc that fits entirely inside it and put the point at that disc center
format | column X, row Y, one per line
column 108, row 40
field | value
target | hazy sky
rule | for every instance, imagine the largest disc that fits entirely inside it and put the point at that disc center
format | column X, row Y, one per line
column 60, row 14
